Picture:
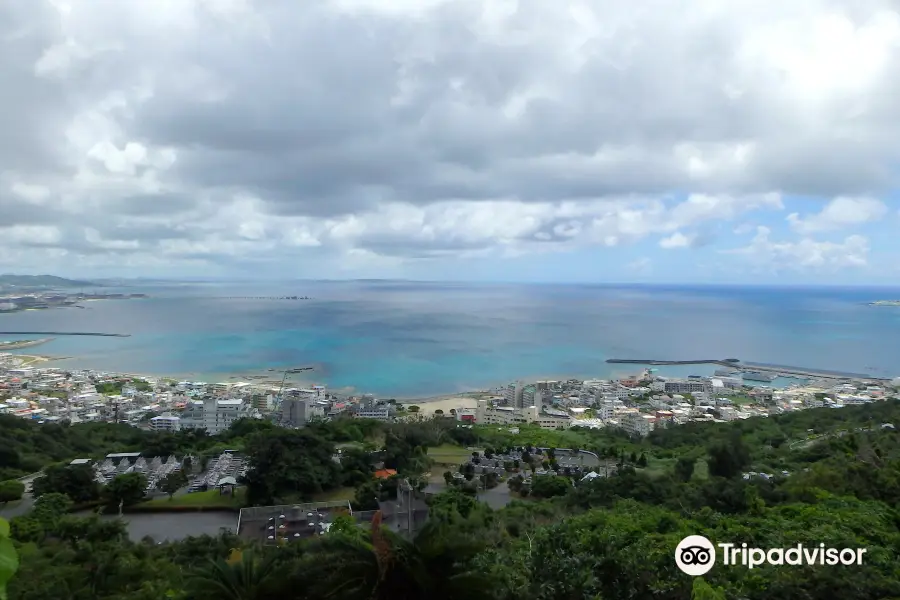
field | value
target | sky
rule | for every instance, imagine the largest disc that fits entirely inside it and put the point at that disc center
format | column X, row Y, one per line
column 701, row 141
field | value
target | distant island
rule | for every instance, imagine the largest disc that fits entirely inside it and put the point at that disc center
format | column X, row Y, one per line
column 885, row 303
column 10, row 281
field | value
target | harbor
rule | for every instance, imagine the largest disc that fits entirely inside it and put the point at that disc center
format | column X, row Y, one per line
column 758, row 372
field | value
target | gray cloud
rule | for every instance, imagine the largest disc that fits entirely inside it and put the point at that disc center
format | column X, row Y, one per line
column 246, row 130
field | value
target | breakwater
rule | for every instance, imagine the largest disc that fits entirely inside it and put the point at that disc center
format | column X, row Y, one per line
column 55, row 333
column 726, row 362
column 260, row 298
column 777, row 370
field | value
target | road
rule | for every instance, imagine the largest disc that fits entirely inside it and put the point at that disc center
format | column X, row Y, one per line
column 17, row 509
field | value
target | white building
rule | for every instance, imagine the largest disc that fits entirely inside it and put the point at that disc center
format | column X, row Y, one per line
column 686, row 386
column 509, row 415
column 638, row 424
column 166, row 422
column 380, row 412
column 214, row 414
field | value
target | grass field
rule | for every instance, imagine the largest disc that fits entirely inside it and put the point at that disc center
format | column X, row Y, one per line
column 344, row 493
column 207, row 498
column 447, row 454
column 660, row 466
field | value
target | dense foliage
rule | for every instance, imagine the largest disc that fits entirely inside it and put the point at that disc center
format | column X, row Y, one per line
column 831, row 477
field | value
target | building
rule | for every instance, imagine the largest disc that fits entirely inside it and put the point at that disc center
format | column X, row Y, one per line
column 513, row 394
column 509, row 415
column 295, row 411
column 165, row 422
column 215, row 415
column 686, row 386
column 529, row 397
column 638, row 424
column 381, row 412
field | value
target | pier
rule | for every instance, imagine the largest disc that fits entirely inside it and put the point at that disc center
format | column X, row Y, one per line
column 56, row 333
column 727, row 362
column 262, row 297
column 733, row 363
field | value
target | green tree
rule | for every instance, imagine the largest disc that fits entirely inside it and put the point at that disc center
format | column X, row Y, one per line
column 642, row 461
column 728, row 458
column 382, row 565
column 172, row 482
column 701, row 590
column 9, row 558
column 243, row 577
column 78, row 482
column 10, row 490
column 126, row 489
column 684, row 468
column 548, row 486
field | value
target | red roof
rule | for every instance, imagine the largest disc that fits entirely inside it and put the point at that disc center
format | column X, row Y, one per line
column 385, row 473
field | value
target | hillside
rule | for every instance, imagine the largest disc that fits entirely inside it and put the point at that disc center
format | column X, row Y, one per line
column 816, row 477
column 11, row 281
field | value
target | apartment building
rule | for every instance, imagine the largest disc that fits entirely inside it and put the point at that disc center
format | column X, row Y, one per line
column 215, row 415
column 380, row 412
column 165, row 422
column 509, row 415
column 686, row 386
column 638, row 423
column 513, row 395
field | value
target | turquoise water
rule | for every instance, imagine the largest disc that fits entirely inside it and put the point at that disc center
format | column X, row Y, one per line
column 411, row 339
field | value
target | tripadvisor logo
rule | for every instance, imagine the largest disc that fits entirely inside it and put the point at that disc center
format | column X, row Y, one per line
column 696, row 555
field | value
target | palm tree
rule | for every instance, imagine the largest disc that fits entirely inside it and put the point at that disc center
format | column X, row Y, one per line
column 381, row 565
column 241, row 577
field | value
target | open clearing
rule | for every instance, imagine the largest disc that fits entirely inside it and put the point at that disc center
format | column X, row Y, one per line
column 196, row 499
column 448, row 454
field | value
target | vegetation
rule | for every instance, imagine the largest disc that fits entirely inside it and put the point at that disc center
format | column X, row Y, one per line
column 832, row 477
column 11, row 490
column 210, row 499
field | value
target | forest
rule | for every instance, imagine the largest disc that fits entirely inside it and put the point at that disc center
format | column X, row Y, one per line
column 830, row 477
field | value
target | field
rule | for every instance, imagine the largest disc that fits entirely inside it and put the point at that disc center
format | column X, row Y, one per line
column 208, row 498
column 344, row 493
column 448, row 454
column 660, row 466
column 535, row 436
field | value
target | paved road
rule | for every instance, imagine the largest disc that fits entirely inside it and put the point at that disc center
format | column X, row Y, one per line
column 16, row 509
column 497, row 497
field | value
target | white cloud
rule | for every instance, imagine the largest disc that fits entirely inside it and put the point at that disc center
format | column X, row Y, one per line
column 840, row 213
column 806, row 254
column 676, row 240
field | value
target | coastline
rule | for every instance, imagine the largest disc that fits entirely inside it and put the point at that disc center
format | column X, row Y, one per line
column 19, row 345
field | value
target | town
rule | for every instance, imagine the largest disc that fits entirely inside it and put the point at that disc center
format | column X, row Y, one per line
column 636, row 404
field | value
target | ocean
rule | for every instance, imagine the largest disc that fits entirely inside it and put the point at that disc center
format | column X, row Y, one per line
column 411, row 339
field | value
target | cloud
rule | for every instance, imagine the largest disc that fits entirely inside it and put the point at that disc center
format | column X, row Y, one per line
column 677, row 240
column 804, row 255
column 839, row 214
column 308, row 135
